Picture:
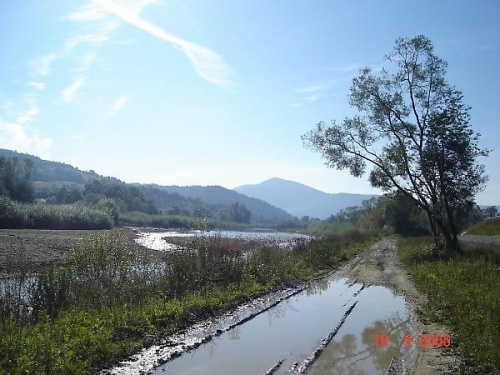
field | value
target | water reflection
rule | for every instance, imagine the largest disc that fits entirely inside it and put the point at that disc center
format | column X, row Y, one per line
column 293, row 329
column 358, row 353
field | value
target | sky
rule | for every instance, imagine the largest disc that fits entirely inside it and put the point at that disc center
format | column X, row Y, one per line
column 196, row 92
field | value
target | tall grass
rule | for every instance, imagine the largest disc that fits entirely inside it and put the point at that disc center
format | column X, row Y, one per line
column 174, row 221
column 15, row 215
column 486, row 227
column 110, row 299
column 463, row 293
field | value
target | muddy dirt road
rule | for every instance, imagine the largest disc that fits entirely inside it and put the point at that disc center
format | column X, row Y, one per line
column 326, row 328
column 380, row 265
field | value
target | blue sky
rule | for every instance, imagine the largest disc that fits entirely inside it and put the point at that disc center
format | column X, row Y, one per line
column 219, row 92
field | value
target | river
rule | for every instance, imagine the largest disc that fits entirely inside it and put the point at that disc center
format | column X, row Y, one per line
column 159, row 240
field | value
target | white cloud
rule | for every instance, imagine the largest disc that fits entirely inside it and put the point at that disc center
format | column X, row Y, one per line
column 96, row 38
column 36, row 84
column 28, row 116
column 94, row 12
column 118, row 104
column 14, row 136
column 85, row 62
column 207, row 64
column 42, row 66
column 68, row 94
column 88, row 12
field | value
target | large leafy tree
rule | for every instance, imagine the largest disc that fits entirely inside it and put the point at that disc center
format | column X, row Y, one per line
column 413, row 131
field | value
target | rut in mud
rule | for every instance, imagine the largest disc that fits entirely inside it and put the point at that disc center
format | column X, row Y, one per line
column 329, row 327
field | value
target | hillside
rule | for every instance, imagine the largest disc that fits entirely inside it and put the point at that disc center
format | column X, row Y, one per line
column 218, row 197
column 301, row 200
column 49, row 177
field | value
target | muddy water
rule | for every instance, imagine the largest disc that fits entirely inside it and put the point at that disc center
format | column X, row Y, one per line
column 294, row 329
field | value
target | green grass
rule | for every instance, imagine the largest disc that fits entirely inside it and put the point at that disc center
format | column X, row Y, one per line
column 110, row 299
column 464, row 294
column 486, row 227
column 15, row 215
column 175, row 221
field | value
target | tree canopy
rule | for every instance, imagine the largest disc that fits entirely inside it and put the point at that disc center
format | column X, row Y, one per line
column 15, row 178
column 413, row 132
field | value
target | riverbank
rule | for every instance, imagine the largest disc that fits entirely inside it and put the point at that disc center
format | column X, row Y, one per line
column 109, row 299
column 366, row 278
column 35, row 248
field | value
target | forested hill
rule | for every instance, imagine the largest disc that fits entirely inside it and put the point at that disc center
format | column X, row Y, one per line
column 50, row 176
column 301, row 200
column 50, row 179
column 218, row 197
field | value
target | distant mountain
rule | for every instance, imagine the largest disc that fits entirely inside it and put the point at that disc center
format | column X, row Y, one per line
column 301, row 200
column 219, row 197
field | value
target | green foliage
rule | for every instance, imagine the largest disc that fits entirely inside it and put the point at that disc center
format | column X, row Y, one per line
column 392, row 213
column 487, row 227
column 126, row 197
column 405, row 216
column 413, row 129
column 236, row 212
column 463, row 293
column 174, row 221
column 106, row 272
column 15, row 180
column 157, row 221
column 110, row 207
column 218, row 199
column 68, row 196
column 491, row 211
column 44, row 216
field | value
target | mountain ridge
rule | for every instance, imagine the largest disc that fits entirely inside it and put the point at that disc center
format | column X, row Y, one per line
column 301, row 200
column 50, row 176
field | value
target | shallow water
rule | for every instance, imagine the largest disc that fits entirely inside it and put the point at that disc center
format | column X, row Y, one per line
column 159, row 240
column 293, row 329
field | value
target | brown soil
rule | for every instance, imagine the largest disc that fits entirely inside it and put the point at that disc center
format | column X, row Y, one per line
column 34, row 248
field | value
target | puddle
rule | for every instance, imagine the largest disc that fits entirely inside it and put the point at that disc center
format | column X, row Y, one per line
column 353, row 350
column 293, row 329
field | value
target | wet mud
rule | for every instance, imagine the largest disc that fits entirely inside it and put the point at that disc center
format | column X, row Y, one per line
column 327, row 328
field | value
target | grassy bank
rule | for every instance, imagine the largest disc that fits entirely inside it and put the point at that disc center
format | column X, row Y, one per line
column 486, row 227
column 15, row 215
column 111, row 299
column 463, row 294
column 174, row 221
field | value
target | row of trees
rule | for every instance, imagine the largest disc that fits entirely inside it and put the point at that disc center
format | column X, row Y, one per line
column 396, row 214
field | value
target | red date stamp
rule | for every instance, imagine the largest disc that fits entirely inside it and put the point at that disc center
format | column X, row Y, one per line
column 425, row 340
